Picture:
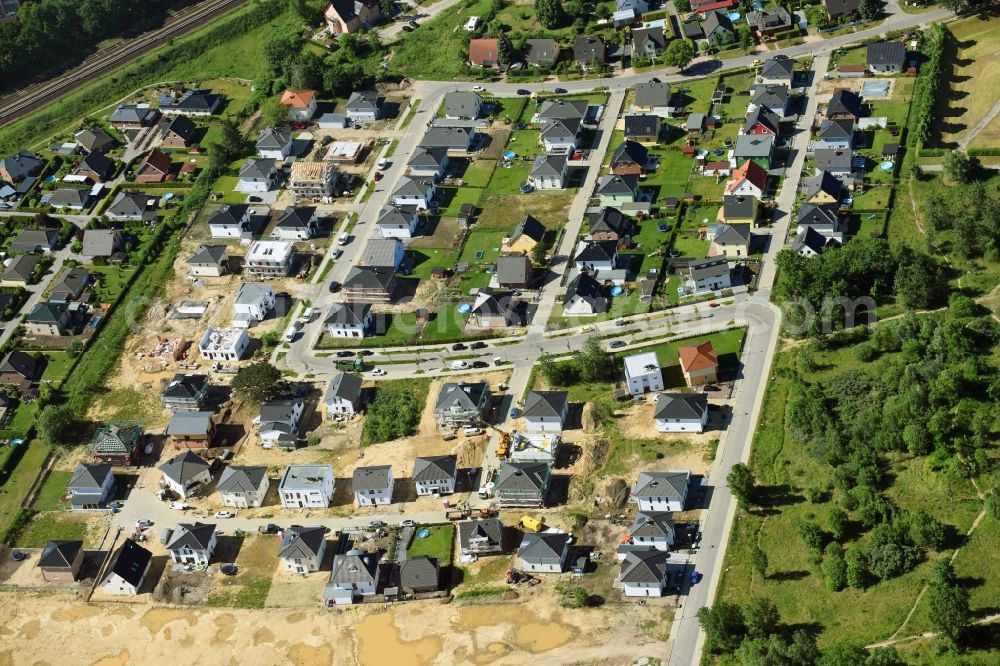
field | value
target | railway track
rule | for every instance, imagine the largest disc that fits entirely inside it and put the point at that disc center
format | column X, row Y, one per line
column 18, row 104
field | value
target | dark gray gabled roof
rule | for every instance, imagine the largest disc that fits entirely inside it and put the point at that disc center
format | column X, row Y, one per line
column 343, row 386
column 209, row 255
column 738, row 207
column 97, row 162
column 562, row 109
column 376, row 477
column 59, row 554
column 716, row 20
column 32, row 239
column 129, row 563
column 531, row 476
column 822, row 214
column 615, row 185
column 363, row 277
column 302, row 542
column 418, row 572
column 366, row 101
column 643, row 124
column 841, row 7
column 455, row 138
column 732, row 234
column 836, row 129
column 541, row 51
column 434, row 468
column 467, row 395
column 130, row 203
column 644, row 566
column 643, row 36
column 21, row 363
column 844, row 102
column 811, row 239
column 257, row 167
column 692, row 30
column 630, row 152
column 194, row 100
column 392, row 216
column 69, row 196
column 530, row 227
column 778, row 67
column 185, row 387
column 230, row 215
column 662, row 484
column 89, row 477
column 94, row 138
column 190, row 423
column 770, row 19
column 587, row 288
column 653, row 524
column 412, row 187
column 540, row 404
column 462, row 104
column 549, row 165
column 773, row 96
column 754, row 145
column 683, row 406
column 611, row 220
column 349, row 313
column 195, row 536
column 101, row 242
column 543, row 548
column 593, row 251
column 709, row 267
column 21, row 267
column 652, row 93
column 354, row 567
column 513, row 269
column 237, row 479
column 131, row 113
column 825, row 182
column 428, row 157
column 886, row 53
column 274, row 138
column 184, row 467
column 21, row 165
column 296, row 217
column 589, row 50
column 833, row 159
column 560, row 128
column 278, row 415
column 764, row 116
column 180, row 125
column 486, row 528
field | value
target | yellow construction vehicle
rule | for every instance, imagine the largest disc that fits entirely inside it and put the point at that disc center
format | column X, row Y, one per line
column 533, row 523
column 503, row 448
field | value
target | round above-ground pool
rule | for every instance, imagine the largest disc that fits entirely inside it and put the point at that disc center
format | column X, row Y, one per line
column 422, row 533
column 887, row 166
column 465, row 308
column 734, row 16
column 617, row 291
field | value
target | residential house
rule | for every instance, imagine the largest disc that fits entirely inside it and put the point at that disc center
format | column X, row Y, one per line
column 762, row 121
column 543, row 552
column 301, row 104
column 297, row 223
column 767, row 22
column 699, row 364
column 711, row 274
column 522, row 484
column 809, row 242
column 223, row 344
column 343, row 395
column 662, row 491
column 749, row 179
column 21, row 167
column 648, row 42
column 116, row 443
column 192, row 102
column 91, row 486
column 844, row 105
column 837, row 162
column 60, row 561
column 513, row 271
column 185, row 393
column 835, row 135
column 589, row 52
column 546, row 411
column 373, row 485
column 35, row 240
column 560, row 135
column 156, row 167
column 209, row 261
column 629, row 159
column 584, row 297
column 435, row 475
column 313, row 180
column 70, row 198
column 191, row 430
column 416, row 192
column 349, row 16
column 428, row 162
column 824, row 219
column 548, row 172
column 525, row 236
column 243, row 487
column 306, row 486
column 480, row 536
column 613, row 190
column 230, row 221
column 101, row 242
column 418, row 575
column 269, row 259
column 779, row 70
column 838, row 8
column 94, row 139
column 692, row 30
column 364, row 106
column 355, row 575
column 886, row 57
column 254, row 301
column 397, row 222
column 654, row 529
column 462, row 404
column 824, row 188
column 596, row 256
column 21, row 271
column 279, row 423
column 257, row 175
column 127, row 570
column 20, row 369
column 95, row 167
column 134, row 116
column 275, row 143
column 541, row 52
column 643, row 373
column 775, row 97
column 643, row 128
column 484, row 52
column 681, row 412
column 498, row 309
column 302, row 549
column 718, row 28
column 452, row 139
column 609, row 224
column 654, row 98
column 733, row 239
column 178, row 132
column 759, row 148
column 369, row 285
column 643, row 573
column 132, row 207
column 48, row 318
column 383, row 253
column 562, row 109
column 350, row 320
column 186, row 474
column 193, row 544
column 462, row 105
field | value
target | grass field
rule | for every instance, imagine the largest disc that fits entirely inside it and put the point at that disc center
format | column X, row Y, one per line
column 438, row 545
column 52, row 526
column 975, row 78
column 50, row 496
column 443, row 36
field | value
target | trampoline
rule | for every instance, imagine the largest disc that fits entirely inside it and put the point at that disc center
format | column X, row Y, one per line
column 423, row 533
column 480, row 254
column 719, row 152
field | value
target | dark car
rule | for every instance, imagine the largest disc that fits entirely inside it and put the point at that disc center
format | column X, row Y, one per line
column 479, row 345
column 617, row 344
column 458, row 346
column 480, row 364
column 334, row 286
column 344, row 354
column 365, row 352
column 522, row 91
column 561, row 91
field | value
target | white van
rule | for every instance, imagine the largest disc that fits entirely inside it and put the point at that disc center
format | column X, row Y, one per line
column 459, row 365
column 292, row 331
column 343, row 238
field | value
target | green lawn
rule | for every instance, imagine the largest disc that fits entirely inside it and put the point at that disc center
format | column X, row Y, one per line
column 433, row 51
column 626, row 305
column 56, row 366
column 485, row 242
column 478, row 173
column 698, row 94
column 52, row 526
column 438, row 545
column 50, row 496
column 446, row 324
column 671, row 177
column 524, row 142
column 508, row 180
column 453, row 198
column 727, row 346
column 111, row 282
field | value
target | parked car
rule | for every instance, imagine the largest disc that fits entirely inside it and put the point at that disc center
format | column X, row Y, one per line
column 224, row 514
column 378, row 372
column 522, row 91
column 479, row 88
column 561, row 91
column 472, row 432
column 334, row 286
column 480, row 364
column 459, row 365
column 344, row 354
column 375, row 524
column 180, row 506
column 407, row 523
column 458, row 346
column 365, row 352
column 617, row 344
column 478, row 345
column 382, row 164
column 144, row 523
column 377, row 177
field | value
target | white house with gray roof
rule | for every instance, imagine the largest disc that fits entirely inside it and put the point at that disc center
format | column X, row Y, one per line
column 343, row 395
column 643, row 573
column 230, row 221
column 481, row 536
column 101, row 242
column 661, row 491
column 643, row 373
column 279, row 423
column 451, row 139
column 355, row 574
column 373, row 485
column 302, row 549
column 296, row 223
column 306, row 487
column 257, row 175
column 462, row 404
column 427, row 162
column 435, row 475
column 546, row 411
column 243, row 487
column 653, row 528
column 186, row 474
column 397, row 222
column 349, row 320
column 383, row 253
column 91, row 486
column 462, row 105
column 548, row 172
column 275, row 143
column 416, row 192
column 209, row 261
column 523, row 484
column 254, row 301
column 654, row 98
column 543, row 552
column 193, row 544
column 132, row 207
column 364, row 106
column 681, row 412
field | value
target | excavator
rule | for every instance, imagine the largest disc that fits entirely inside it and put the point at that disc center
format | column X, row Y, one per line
column 503, row 449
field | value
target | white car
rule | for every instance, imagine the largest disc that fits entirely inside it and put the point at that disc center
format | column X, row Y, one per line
column 459, row 365
column 381, row 164
column 225, row 514
column 479, row 88
column 378, row 372
column 407, row 523
column 144, row 523
column 180, row 506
